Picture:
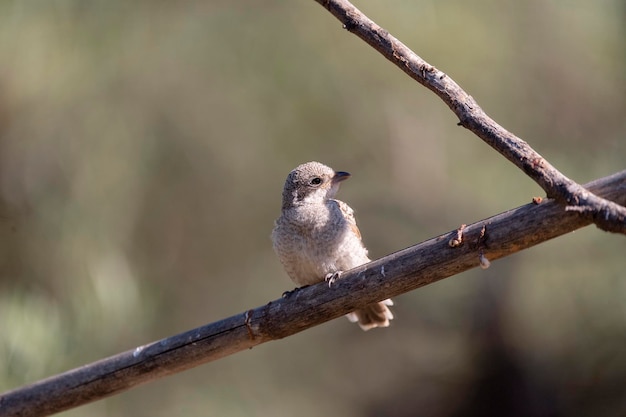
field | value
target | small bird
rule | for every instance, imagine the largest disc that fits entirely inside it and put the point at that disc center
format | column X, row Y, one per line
column 316, row 237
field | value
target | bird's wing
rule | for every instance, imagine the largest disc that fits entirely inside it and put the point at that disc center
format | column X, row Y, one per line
column 348, row 214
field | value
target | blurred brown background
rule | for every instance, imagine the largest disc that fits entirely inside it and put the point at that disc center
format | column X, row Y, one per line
column 143, row 149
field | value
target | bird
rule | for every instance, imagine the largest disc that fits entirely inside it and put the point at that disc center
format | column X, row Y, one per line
column 316, row 237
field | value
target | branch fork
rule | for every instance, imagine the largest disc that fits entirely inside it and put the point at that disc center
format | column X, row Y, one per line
column 604, row 214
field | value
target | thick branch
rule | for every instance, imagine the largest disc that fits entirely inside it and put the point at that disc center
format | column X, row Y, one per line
column 403, row 271
column 605, row 214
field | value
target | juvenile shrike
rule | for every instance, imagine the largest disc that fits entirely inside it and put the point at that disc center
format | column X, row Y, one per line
column 316, row 237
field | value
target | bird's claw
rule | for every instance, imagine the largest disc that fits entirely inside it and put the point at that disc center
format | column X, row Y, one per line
column 332, row 277
column 288, row 294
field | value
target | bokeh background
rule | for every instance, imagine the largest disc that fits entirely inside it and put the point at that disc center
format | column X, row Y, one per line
column 143, row 149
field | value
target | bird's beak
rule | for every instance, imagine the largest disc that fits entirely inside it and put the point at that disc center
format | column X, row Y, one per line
column 340, row 176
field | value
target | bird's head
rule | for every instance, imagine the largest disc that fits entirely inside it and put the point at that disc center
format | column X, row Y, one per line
column 311, row 183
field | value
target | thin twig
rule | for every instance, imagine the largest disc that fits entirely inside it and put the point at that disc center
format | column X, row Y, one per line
column 605, row 214
column 400, row 272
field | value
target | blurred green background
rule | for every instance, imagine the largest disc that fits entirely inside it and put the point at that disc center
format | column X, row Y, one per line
column 143, row 149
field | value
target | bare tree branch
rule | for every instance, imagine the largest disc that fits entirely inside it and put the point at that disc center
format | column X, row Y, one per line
column 403, row 271
column 605, row 214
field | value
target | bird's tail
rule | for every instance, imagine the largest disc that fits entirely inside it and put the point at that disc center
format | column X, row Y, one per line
column 373, row 315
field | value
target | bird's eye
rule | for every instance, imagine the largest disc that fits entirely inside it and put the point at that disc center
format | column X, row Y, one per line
column 316, row 181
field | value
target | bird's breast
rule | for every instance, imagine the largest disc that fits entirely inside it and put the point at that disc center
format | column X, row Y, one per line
column 312, row 245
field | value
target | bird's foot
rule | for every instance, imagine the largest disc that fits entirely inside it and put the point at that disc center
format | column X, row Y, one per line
column 332, row 277
column 288, row 294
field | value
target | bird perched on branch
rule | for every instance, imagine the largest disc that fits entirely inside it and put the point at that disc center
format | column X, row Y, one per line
column 316, row 236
